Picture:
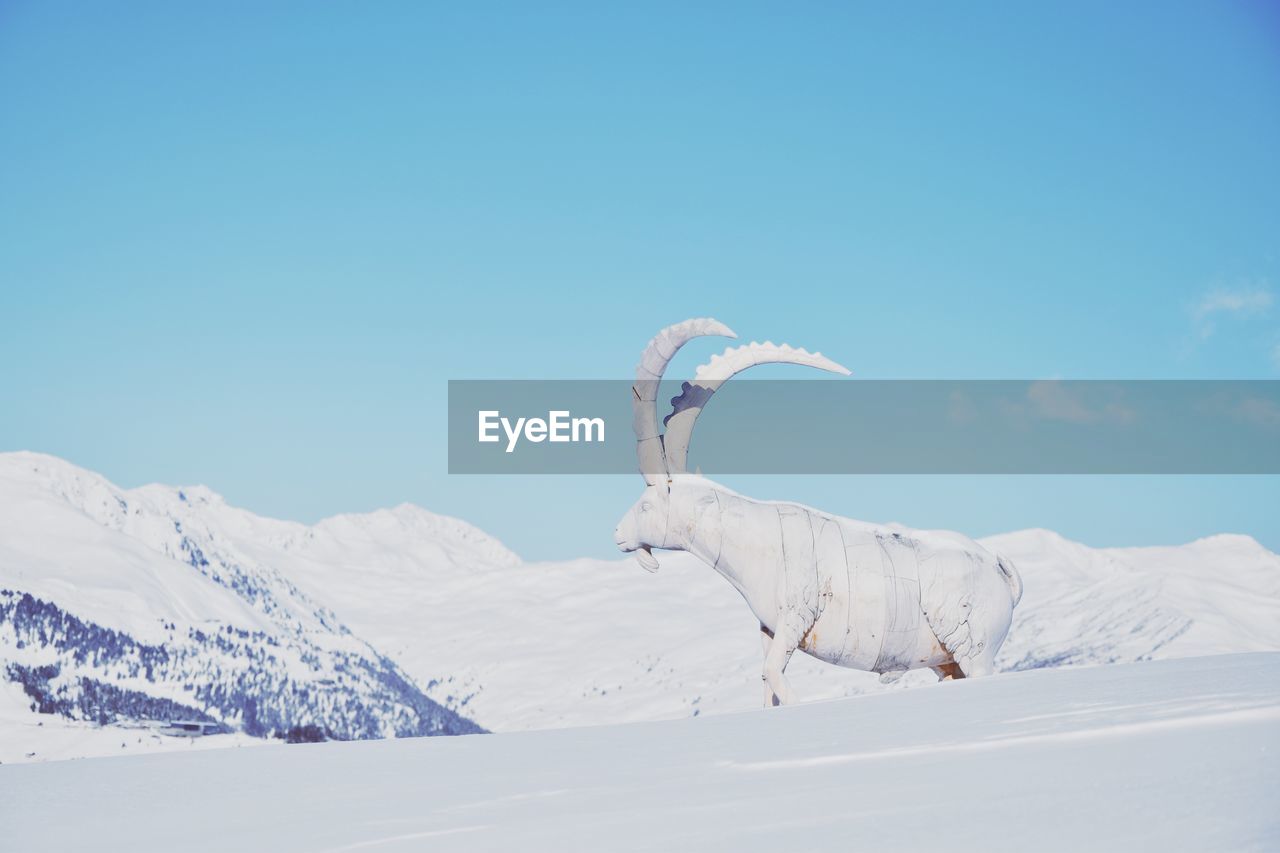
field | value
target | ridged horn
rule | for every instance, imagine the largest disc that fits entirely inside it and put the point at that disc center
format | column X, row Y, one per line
column 708, row 379
column 644, row 393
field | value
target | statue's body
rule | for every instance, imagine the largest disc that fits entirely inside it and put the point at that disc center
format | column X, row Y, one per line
column 845, row 592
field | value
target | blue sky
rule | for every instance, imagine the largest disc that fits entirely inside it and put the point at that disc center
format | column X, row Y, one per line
column 247, row 247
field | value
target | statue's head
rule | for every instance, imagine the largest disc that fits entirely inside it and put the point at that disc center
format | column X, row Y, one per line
column 654, row 520
column 646, row 526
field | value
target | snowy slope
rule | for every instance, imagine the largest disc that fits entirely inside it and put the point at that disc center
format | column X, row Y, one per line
column 1085, row 605
column 1176, row 755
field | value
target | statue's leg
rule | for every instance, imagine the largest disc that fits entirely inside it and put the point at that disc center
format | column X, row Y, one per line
column 976, row 658
column 785, row 640
column 977, row 665
column 962, row 638
column 766, row 640
column 948, row 671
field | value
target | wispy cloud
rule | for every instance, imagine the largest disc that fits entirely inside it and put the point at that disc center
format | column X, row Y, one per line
column 1070, row 402
column 1222, row 301
column 1052, row 400
column 1258, row 405
column 1258, row 410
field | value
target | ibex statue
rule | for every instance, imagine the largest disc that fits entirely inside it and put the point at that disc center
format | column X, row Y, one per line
column 845, row 592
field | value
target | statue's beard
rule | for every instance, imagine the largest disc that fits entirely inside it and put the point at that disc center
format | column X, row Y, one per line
column 644, row 556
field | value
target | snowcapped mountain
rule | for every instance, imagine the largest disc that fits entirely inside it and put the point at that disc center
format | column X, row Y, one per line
column 159, row 601
column 124, row 606
column 1110, row 605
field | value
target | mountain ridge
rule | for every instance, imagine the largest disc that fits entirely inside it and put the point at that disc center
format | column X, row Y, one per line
column 115, row 602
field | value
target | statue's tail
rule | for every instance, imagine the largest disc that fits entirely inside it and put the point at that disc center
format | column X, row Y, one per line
column 1011, row 577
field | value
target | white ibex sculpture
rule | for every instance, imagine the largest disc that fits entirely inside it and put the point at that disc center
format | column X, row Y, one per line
column 843, row 591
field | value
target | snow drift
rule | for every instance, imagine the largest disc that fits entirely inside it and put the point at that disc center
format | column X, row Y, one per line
column 1163, row 755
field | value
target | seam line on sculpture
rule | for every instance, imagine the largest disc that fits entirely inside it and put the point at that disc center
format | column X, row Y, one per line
column 886, row 591
column 819, row 605
column 848, row 598
column 719, row 526
column 782, row 545
column 666, row 518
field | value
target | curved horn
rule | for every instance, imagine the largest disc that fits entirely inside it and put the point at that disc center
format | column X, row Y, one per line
column 644, row 393
column 708, row 379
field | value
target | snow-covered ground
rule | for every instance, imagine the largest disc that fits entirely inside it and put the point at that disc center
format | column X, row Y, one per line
column 509, row 644
column 1163, row 755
